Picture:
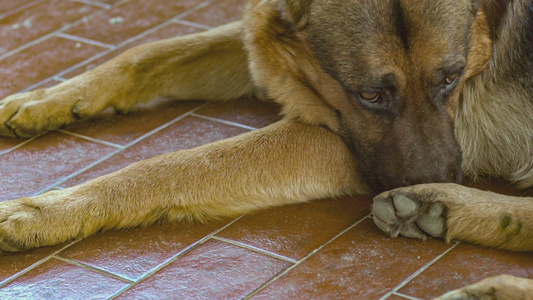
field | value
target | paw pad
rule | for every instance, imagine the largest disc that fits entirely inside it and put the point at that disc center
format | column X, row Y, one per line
column 407, row 215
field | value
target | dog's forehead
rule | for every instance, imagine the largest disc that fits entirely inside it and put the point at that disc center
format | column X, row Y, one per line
column 353, row 36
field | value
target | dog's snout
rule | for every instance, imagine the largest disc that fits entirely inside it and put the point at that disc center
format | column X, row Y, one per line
column 408, row 156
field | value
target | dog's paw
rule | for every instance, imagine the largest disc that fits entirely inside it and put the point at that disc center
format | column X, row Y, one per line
column 17, row 220
column 411, row 212
column 33, row 113
column 498, row 287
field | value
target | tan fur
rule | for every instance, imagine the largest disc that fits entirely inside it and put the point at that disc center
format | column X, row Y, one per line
column 171, row 68
column 298, row 159
column 503, row 287
column 225, row 178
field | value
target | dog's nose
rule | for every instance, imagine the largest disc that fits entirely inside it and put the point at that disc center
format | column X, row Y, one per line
column 382, row 183
column 390, row 175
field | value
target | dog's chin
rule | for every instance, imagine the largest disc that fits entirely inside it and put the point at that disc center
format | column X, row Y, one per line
column 386, row 181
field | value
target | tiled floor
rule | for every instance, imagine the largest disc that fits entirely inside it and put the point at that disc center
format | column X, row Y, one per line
column 327, row 249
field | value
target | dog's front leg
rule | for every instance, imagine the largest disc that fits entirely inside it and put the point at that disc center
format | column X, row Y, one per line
column 503, row 287
column 210, row 65
column 286, row 162
column 455, row 212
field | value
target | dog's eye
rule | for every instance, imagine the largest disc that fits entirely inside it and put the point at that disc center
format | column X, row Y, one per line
column 450, row 79
column 370, row 97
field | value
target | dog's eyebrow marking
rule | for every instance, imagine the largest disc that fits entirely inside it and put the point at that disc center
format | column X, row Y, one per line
column 400, row 24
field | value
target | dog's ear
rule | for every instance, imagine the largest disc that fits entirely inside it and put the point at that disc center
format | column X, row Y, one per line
column 296, row 11
column 481, row 41
column 494, row 11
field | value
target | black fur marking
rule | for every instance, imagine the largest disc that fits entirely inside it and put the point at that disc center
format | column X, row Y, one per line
column 401, row 25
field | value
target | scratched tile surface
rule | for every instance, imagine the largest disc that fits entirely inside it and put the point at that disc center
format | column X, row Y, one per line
column 327, row 249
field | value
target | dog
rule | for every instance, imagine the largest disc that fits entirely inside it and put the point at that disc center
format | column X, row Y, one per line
column 396, row 97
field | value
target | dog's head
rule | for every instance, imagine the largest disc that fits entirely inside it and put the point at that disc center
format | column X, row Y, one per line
column 386, row 75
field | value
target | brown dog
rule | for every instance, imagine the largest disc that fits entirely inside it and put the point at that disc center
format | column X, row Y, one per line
column 376, row 95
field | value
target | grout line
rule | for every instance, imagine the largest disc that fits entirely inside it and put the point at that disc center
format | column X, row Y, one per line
column 224, row 122
column 60, row 79
column 101, row 54
column 93, row 3
column 192, row 24
column 20, row 8
column 302, row 260
column 164, row 24
column 175, row 257
column 255, row 249
column 194, row 9
column 91, row 268
column 51, row 34
column 406, row 296
column 106, row 157
column 91, row 139
column 84, row 40
column 70, row 69
column 121, row 2
column 35, row 265
column 415, row 274
column 32, row 87
column 18, row 146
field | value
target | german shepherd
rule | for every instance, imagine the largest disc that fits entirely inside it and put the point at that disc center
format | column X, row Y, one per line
column 376, row 96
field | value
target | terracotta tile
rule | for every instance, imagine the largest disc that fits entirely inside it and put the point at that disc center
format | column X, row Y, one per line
column 56, row 279
column 213, row 270
column 39, row 20
column 249, row 111
column 136, row 16
column 467, row 264
column 110, row 2
column 133, row 253
column 44, row 161
column 169, row 31
column 46, row 84
column 396, row 297
column 187, row 133
column 218, row 13
column 12, row 263
column 7, row 6
column 8, row 143
column 40, row 62
column 361, row 264
column 123, row 129
column 294, row 231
